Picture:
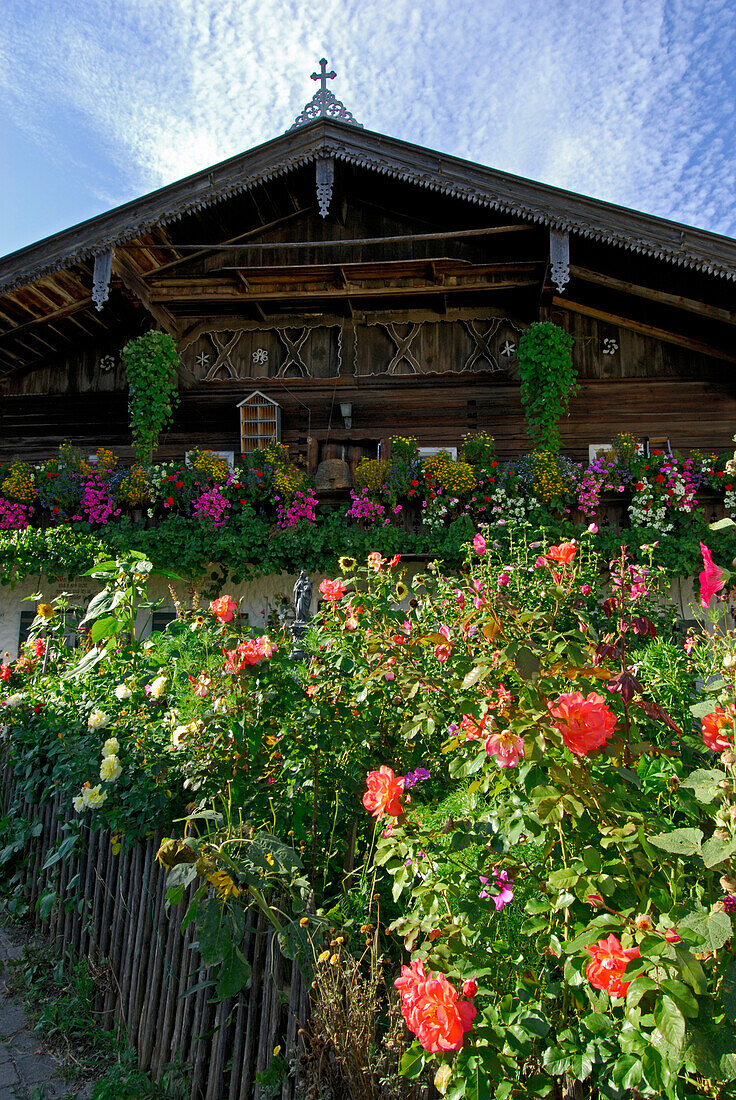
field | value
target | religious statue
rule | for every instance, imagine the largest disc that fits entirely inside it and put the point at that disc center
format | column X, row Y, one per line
column 302, row 604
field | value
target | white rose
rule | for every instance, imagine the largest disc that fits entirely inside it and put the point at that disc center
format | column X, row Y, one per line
column 79, row 803
column 111, row 747
column 15, row 700
column 93, row 796
column 122, row 691
column 110, row 769
column 158, row 687
column 98, row 719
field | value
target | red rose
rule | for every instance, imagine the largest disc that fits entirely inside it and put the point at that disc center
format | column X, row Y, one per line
column 608, row 963
column 384, row 792
column 585, row 724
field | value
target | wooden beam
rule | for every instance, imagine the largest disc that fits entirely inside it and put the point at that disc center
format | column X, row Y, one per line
column 134, row 283
column 234, row 295
column 645, row 330
column 676, row 300
column 64, row 311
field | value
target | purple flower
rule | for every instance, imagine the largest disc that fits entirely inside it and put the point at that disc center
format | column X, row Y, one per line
column 418, row 776
column 729, row 903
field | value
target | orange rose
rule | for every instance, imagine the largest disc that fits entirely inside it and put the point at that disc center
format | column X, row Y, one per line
column 224, row 608
column 431, row 1009
column 384, row 792
column 608, row 960
column 565, row 552
column 332, row 590
column 585, row 724
column 712, row 725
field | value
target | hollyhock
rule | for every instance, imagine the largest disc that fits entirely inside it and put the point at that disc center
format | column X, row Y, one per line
column 384, row 792
column 507, row 748
column 432, row 1010
column 564, row 553
column 608, row 961
column 713, row 724
column 479, row 544
column 712, row 579
column 224, row 608
column 585, row 723
column 332, row 590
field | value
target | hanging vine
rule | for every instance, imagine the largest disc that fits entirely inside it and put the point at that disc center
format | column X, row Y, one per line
column 548, row 381
column 150, row 364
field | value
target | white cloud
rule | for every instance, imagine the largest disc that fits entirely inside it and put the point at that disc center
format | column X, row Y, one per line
column 631, row 102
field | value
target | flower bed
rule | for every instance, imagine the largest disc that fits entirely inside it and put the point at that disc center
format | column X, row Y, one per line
column 514, row 784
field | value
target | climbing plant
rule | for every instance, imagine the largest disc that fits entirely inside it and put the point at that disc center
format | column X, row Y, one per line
column 548, row 380
column 150, row 363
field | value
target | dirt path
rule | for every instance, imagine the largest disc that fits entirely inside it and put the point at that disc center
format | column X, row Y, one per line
column 27, row 1070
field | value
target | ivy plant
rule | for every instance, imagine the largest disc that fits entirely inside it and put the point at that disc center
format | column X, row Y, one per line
column 548, row 381
column 150, row 363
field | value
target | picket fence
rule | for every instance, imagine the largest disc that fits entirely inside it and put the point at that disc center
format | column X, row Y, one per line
column 111, row 910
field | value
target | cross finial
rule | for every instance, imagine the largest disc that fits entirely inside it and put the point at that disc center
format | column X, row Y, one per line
column 323, row 103
column 323, row 76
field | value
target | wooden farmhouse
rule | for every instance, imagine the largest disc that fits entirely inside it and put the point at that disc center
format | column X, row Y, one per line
column 334, row 287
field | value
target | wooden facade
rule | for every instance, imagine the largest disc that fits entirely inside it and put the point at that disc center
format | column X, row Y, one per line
column 401, row 287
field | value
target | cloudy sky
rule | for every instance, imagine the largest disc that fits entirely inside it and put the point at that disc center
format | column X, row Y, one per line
column 632, row 101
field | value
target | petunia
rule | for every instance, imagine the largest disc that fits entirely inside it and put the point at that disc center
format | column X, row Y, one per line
column 712, row 579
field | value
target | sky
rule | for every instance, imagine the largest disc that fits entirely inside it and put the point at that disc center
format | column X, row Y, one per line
column 632, row 101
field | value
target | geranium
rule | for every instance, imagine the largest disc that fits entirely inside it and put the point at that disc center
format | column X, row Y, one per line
column 432, row 1010
column 224, row 608
column 712, row 579
column 608, row 961
column 384, row 792
column 564, row 553
column 507, row 748
column 712, row 725
column 585, row 723
column 332, row 590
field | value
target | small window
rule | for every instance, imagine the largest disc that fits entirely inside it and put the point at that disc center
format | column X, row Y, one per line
column 74, row 615
column 430, row 452
column 260, row 422
column 161, row 619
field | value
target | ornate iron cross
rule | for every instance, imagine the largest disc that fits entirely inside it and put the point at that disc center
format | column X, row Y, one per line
column 323, row 76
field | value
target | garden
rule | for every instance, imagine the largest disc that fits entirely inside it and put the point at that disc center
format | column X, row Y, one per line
column 487, row 810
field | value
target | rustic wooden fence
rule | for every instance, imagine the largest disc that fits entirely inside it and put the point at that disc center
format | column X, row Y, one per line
column 110, row 909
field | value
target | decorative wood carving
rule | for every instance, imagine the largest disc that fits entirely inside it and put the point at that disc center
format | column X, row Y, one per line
column 403, row 348
column 559, row 258
column 251, row 352
column 482, row 350
column 325, row 178
column 293, row 349
column 101, row 278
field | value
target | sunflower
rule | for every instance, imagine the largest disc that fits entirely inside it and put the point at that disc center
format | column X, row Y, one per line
column 223, row 885
column 45, row 611
column 401, row 591
column 347, row 565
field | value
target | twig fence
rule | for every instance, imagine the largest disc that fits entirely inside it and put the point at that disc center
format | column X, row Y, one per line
column 111, row 910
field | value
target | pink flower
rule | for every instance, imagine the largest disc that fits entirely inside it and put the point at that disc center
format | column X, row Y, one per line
column 201, row 684
column 39, row 647
column 375, row 561
column 332, row 590
column 503, row 580
column 479, row 544
column 223, row 608
column 585, row 589
column 384, row 792
column 432, row 1010
column 592, row 528
column 712, row 579
column 507, row 748
column 564, row 553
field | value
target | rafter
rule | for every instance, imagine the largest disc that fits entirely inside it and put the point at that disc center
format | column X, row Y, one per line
column 645, row 330
column 135, row 284
column 676, row 300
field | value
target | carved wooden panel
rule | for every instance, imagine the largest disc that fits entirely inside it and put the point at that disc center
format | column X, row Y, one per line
column 454, row 346
column 258, row 353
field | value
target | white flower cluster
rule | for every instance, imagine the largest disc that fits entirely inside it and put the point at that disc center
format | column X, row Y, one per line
column 509, row 508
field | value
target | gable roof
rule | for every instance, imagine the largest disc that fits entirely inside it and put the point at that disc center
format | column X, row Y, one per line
column 526, row 199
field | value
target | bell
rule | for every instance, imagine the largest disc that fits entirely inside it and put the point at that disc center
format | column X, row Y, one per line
column 333, row 473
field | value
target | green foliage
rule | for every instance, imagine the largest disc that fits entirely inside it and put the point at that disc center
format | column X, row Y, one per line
column 548, row 380
column 150, row 363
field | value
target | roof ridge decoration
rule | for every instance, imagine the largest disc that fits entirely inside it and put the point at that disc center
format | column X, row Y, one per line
column 324, row 103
